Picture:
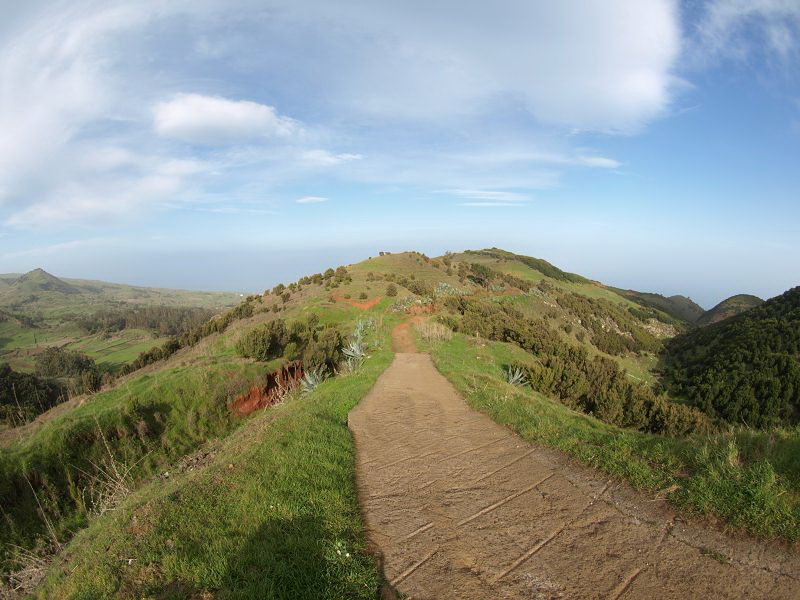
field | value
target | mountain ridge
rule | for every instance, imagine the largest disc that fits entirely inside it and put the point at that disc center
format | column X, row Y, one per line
column 730, row 307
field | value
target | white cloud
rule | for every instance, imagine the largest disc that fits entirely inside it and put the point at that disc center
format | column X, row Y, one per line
column 199, row 119
column 324, row 158
column 59, row 248
column 489, row 204
column 598, row 161
column 491, row 195
column 311, row 200
column 602, row 65
column 95, row 95
column 739, row 28
column 99, row 196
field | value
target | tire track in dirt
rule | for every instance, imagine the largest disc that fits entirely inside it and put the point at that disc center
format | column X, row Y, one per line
column 460, row 507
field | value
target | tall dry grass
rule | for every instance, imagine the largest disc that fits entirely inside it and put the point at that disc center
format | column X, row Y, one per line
column 433, row 332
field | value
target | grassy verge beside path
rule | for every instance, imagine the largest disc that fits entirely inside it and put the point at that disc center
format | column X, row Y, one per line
column 750, row 479
column 274, row 515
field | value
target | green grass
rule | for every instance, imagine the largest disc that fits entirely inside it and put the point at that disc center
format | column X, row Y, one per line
column 749, row 479
column 55, row 314
column 149, row 421
column 117, row 349
column 18, row 346
column 274, row 516
column 590, row 290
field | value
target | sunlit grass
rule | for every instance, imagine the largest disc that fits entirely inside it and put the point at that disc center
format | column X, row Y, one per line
column 751, row 479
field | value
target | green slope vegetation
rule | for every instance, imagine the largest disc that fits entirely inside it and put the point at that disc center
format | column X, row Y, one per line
column 729, row 308
column 750, row 479
column 112, row 323
column 679, row 307
column 178, row 404
column 744, row 369
column 273, row 515
column 214, row 504
column 36, row 282
column 537, row 264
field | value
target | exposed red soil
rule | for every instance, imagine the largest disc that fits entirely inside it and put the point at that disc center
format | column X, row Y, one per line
column 262, row 396
column 359, row 305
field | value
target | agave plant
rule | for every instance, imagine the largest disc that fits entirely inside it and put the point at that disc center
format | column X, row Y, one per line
column 360, row 332
column 355, row 352
column 312, row 378
column 515, row 376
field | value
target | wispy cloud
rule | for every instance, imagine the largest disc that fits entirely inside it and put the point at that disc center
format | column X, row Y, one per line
column 199, row 119
column 490, row 204
column 741, row 28
column 59, row 248
column 235, row 210
column 114, row 109
column 311, row 200
column 490, row 197
column 324, row 158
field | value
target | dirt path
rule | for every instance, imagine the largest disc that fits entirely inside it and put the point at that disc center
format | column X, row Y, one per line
column 402, row 338
column 460, row 507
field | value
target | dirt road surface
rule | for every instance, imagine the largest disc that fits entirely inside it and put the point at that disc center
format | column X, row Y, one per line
column 458, row 506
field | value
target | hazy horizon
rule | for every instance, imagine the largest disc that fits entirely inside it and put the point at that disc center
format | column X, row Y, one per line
column 289, row 265
column 651, row 145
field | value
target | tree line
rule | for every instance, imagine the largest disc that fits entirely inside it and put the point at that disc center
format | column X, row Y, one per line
column 161, row 320
column 744, row 369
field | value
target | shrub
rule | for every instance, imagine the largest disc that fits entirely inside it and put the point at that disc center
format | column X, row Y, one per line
column 325, row 351
column 362, row 296
column 391, row 290
column 59, row 362
column 24, row 396
column 264, row 343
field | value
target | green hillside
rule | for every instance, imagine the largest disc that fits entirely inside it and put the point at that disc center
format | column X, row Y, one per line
column 537, row 264
column 729, row 308
column 679, row 307
column 743, row 369
column 39, row 310
column 36, row 282
column 157, row 486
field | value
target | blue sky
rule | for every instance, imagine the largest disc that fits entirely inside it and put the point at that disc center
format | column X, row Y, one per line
column 231, row 145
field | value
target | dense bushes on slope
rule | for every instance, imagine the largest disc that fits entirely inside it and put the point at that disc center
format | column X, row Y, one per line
column 163, row 320
column 613, row 330
column 730, row 307
column 24, row 396
column 679, row 307
column 597, row 386
column 78, row 370
column 317, row 347
column 744, row 369
column 60, row 362
column 544, row 267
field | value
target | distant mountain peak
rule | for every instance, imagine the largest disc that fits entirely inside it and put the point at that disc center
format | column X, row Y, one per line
column 730, row 307
column 39, row 280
